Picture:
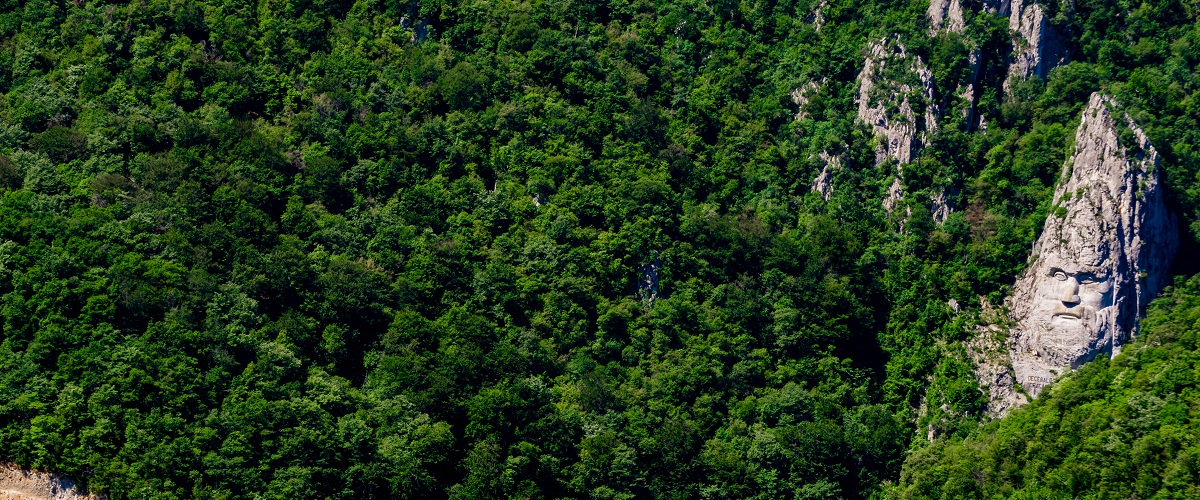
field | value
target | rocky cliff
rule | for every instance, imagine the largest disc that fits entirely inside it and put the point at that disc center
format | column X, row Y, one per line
column 886, row 101
column 946, row 14
column 941, row 206
column 1036, row 46
column 895, row 98
column 802, row 95
column 892, row 86
column 1103, row 255
column 998, row 7
column 823, row 183
column 817, row 18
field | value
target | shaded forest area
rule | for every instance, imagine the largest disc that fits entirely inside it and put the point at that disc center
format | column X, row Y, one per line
column 291, row 249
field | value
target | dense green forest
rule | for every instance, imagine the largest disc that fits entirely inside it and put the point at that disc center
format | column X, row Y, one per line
column 553, row 248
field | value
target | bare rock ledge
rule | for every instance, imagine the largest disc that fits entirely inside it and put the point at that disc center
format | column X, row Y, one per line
column 21, row 484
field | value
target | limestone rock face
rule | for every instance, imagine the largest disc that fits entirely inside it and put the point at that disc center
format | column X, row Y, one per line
column 21, row 484
column 999, row 7
column 967, row 92
column 895, row 193
column 823, row 183
column 817, row 18
column 802, row 95
column 990, row 351
column 1036, row 49
column 892, row 86
column 899, row 128
column 941, row 208
column 946, row 14
column 1103, row 255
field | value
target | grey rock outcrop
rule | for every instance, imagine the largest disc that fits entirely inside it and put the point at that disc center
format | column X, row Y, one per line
column 823, row 183
column 993, row 370
column 1104, row 254
column 967, row 92
column 895, row 193
column 900, row 128
column 941, row 208
column 21, row 484
column 802, row 95
column 946, row 14
column 998, row 7
column 1036, row 46
column 817, row 18
column 889, row 106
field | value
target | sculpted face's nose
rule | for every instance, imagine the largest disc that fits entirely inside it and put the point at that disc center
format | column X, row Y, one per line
column 1070, row 291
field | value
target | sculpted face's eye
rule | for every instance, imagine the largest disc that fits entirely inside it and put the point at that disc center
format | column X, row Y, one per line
column 1059, row 274
column 1088, row 279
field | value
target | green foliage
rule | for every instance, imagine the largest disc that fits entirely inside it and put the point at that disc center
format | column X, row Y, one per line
column 400, row 249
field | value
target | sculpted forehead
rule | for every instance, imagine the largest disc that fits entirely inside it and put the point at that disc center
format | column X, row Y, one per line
column 1075, row 259
column 1047, row 267
column 1086, row 230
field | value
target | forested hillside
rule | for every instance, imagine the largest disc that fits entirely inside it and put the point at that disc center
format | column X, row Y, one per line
column 535, row 249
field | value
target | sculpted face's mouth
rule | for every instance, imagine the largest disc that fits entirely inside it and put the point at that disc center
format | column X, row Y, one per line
column 1071, row 314
column 1062, row 312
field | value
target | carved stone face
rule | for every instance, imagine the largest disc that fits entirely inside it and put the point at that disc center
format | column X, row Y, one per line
column 1072, row 309
column 1104, row 252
